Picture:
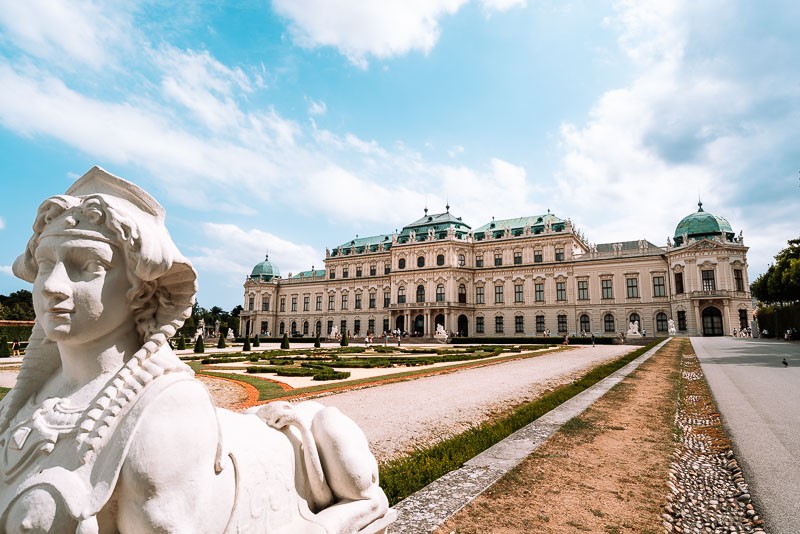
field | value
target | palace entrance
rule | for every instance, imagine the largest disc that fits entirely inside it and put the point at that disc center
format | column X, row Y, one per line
column 419, row 325
column 399, row 323
column 712, row 322
column 463, row 325
column 439, row 320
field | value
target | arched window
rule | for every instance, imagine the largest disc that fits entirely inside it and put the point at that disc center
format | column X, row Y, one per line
column 318, row 328
column 661, row 322
column 635, row 318
column 294, row 327
column 305, row 328
column 421, row 261
column 585, row 326
column 282, row 328
column 401, row 295
column 462, row 294
column 420, row 293
column 440, row 260
column 461, row 260
column 401, row 263
column 440, row 293
column 608, row 323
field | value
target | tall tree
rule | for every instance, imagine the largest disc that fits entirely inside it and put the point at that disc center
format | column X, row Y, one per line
column 781, row 282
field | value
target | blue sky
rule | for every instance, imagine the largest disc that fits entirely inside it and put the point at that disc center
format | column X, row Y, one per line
column 294, row 125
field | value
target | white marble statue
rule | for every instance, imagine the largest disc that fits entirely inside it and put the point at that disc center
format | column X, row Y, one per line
column 106, row 430
column 633, row 329
column 334, row 333
column 229, row 335
column 441, row 334
column 671, row 327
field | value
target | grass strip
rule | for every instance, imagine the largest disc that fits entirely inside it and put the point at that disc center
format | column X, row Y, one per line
column 3, row 392
column 401, row 477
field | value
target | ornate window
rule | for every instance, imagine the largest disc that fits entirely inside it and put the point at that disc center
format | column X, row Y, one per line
column 519, row 324
column 708, row 280
column 537, row 256
column 583, row 290
column 498, row 294
column 678, row 283
column 562, row 323
column 294, row 303
column 738, row 279
column 344, row 301
column 345, row 272
column 251, row 302
column 462, row 260
column 421, row 261
column 479, row 295
column 539, row 324
column 517, row 257
column 283, row 304
column 518, row 293
column 462, row 294
column 420, row 293
column 607, row 288
column 479, row 325
column 539, row 292
column 681, row 320
column 358, row 301
column 608, row 323
column 330, row 301
column 306, row 302
column 661, row 322
column 401, row 295
column 440, row 259
column 498, row 259
column 585, row 325
column 561, row 291
column 401, row 263
column 305, row 328
column 387, row 299
column 632, row 284
column 560, row 255
column 498, row 324
column 440, row 293
column 372, row 300
column 373, row 270
column 319, row 303
column 658, row 286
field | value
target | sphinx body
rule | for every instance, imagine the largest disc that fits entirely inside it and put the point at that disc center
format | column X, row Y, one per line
column 107, row 430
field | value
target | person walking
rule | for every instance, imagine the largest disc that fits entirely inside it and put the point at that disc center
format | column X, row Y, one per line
column 15, row 348
column 593, row 339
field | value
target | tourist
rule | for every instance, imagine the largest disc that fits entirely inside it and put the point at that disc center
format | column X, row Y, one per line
column 15, row 348
column 566, row 339
column 593, row 339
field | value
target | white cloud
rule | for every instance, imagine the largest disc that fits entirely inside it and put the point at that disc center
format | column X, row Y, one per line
column 6, row 269
column 232, row 252
column 2, row 223
column 455, row 151
column 688, row 124
column 316, row 107
column 360, row 29
column 502, row 5
column 82, row 30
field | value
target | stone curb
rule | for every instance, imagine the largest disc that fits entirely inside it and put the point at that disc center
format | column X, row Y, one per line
column 430, row 507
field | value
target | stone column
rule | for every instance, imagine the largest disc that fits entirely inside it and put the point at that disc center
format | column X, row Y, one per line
column 726, row 318
column 698, row 319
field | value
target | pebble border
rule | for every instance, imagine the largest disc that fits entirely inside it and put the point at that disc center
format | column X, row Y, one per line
column 708, row 492
column 430, row 507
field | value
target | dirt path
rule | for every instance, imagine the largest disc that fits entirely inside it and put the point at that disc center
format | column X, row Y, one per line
column 605, row 471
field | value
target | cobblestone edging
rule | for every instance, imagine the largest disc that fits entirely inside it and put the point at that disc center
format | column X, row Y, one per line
column 708, row 492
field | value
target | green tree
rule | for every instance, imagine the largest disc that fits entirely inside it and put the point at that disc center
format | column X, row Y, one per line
column 18, row 306
column 781, row 282
column 316, row 341
column 285, row 341
column 246, row 347
column 344, row 342
column 182, row 343
column 199, row 347
column 221, row 342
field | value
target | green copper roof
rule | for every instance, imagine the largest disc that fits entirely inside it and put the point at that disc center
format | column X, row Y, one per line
column 319, row 273
column 702, row 224
column 364, row 244
column 517, row 225
column 440, row 223
column 265, row 270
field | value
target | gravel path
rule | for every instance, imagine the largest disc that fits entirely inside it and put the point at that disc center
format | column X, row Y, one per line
column 398, row 417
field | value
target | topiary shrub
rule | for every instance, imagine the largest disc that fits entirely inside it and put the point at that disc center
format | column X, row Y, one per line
column 256, row 341
column 285, row 341
column 316, row 341
column 326, row 373
column 246, row 347
column 182, row 343
column 344, row 342
column 5, row 350
column 221, row 342
column 199, row 347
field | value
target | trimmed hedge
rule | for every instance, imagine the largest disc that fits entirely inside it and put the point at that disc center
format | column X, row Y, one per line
column 199, row 348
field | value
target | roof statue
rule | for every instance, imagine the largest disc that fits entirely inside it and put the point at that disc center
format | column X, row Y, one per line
column 94, row 433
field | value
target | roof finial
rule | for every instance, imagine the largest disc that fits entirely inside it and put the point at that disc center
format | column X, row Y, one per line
column 266, row 258
column 699, row 204
column 447, row 206
column 426, row 210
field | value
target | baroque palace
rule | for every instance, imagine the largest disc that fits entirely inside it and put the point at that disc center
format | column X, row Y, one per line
column 515, row 277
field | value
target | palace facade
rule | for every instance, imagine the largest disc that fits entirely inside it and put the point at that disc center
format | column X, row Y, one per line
column 514, row 277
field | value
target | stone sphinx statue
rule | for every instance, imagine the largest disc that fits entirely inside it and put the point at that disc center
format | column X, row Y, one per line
column 633, row 329
column 106, row 430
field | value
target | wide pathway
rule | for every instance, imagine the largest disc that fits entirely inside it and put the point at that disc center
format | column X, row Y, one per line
column 396, row 417
column 759, row 400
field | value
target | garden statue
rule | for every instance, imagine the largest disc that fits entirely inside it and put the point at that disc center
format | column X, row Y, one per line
column 106, row 430
column 633, row 329
column 441, row 334
column 229, row 336
column 671, row 327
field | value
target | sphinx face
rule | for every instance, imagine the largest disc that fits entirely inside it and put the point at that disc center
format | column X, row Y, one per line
column 80, row 290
